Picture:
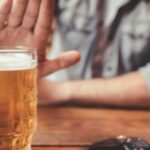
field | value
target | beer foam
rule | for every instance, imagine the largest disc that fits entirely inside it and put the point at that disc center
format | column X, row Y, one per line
column 16, row 61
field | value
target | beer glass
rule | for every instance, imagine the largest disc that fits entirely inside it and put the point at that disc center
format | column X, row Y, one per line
column 18, row 97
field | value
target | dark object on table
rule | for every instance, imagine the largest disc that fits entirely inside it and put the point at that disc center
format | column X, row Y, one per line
column 122, row 143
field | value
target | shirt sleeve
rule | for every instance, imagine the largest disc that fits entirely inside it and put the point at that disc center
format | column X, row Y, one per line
column 145, row 71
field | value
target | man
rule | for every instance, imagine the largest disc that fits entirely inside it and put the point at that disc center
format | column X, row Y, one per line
column 118, row 53
column 25, row 23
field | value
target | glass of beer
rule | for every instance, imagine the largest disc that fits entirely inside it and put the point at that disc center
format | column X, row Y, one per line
column 18, row 97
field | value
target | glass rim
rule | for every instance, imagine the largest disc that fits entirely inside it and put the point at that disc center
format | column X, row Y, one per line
column 16, row 49
column 24, row 58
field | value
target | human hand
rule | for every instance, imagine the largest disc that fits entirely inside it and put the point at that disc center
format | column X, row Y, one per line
column 53, row 92
column 28, row 23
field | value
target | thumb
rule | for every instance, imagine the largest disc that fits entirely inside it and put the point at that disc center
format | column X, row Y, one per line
column 63, row 61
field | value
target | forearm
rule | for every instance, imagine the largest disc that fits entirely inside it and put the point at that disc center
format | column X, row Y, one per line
column 127, row 90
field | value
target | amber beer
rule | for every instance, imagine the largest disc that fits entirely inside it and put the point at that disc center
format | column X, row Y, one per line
column 17, row 103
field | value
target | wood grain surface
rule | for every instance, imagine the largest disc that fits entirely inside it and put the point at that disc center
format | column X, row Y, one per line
column 60, row 148
column 79, row 127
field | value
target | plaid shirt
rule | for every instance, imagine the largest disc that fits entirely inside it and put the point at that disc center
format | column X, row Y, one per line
column 127, row 40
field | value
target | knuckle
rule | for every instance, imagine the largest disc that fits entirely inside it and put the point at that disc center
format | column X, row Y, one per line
column 15, row 15
column 60, row 64
column 30, row 14
column 43, row 27
column 22, row 2
column 36, row 1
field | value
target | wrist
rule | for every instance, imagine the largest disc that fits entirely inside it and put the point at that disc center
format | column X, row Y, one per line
column 66, row 89
column 53, row 92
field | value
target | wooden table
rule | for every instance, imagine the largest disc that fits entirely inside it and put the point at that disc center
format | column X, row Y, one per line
column 66, row 128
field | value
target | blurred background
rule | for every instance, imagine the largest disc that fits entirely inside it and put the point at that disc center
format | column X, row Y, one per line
column 112, row 37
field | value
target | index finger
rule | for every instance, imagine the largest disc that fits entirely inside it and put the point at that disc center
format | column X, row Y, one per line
column 31, row 13
column 44, row 21
column 17, row 12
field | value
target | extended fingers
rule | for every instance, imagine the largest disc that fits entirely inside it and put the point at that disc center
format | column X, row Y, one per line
column 5, row 7
column 63, row 61
column 43, row 25
column 17, row 12
column 24, row 12
column 31, row 14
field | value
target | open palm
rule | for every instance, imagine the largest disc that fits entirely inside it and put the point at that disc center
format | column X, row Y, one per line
column 27, row 23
